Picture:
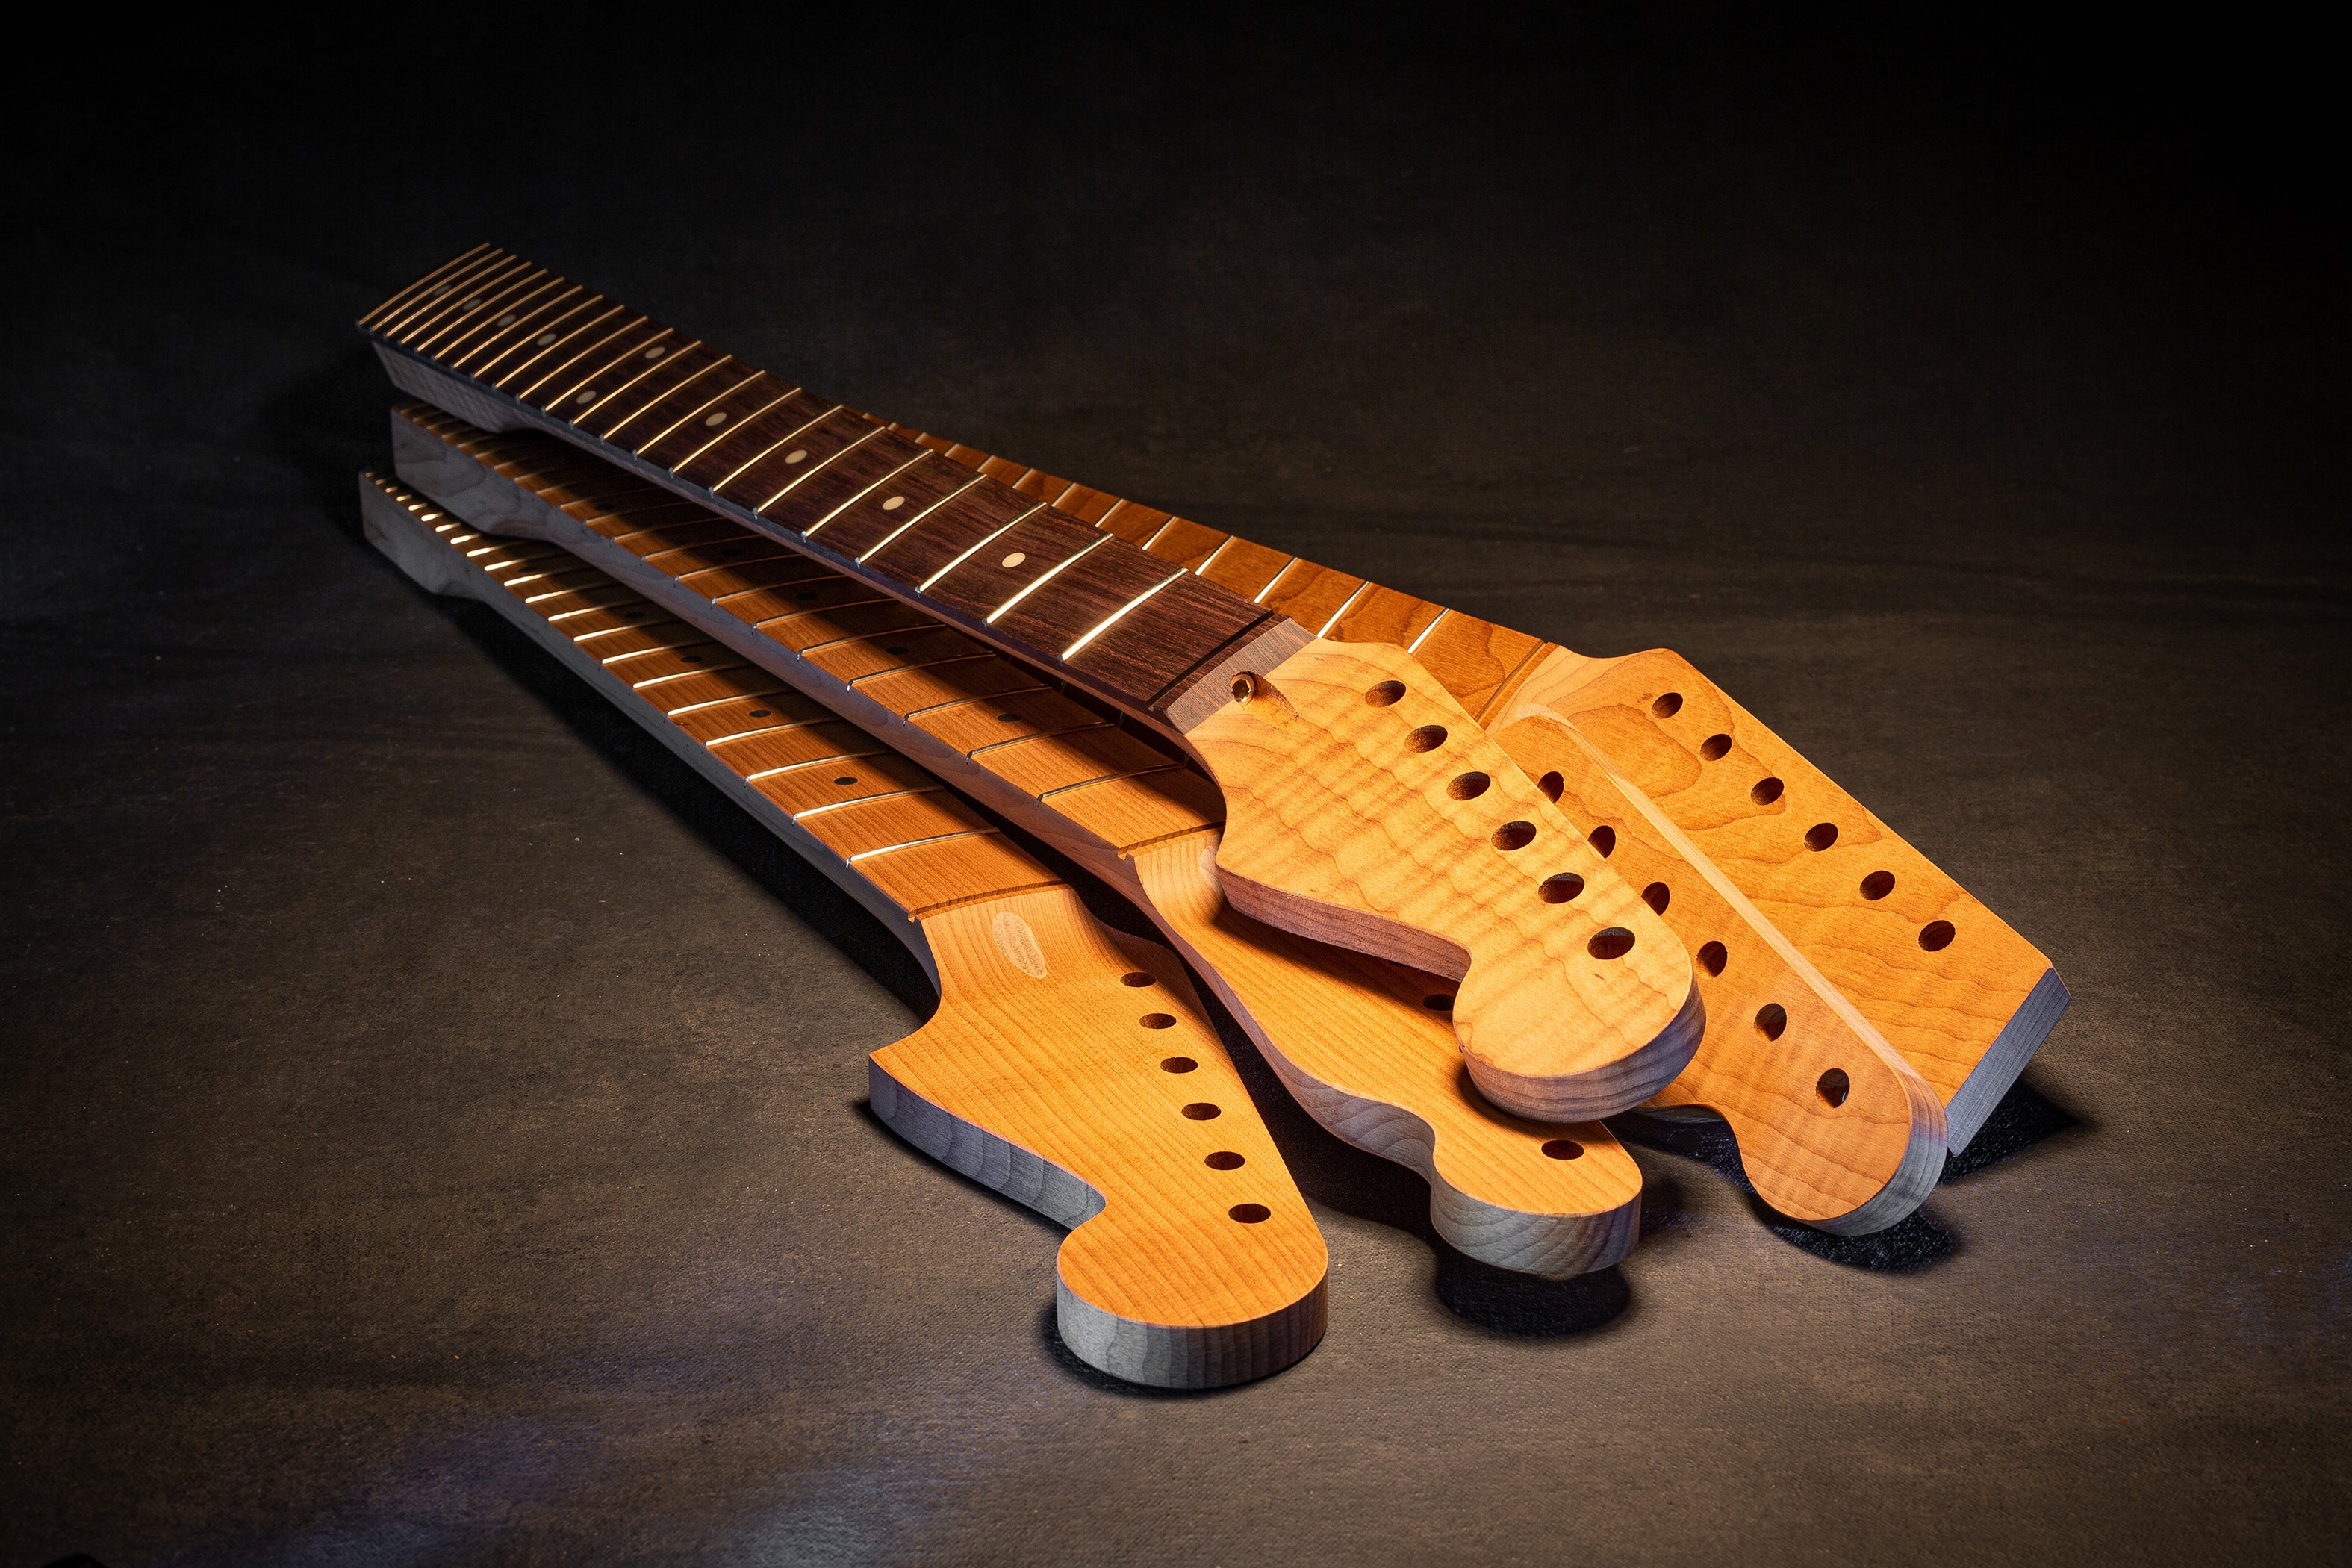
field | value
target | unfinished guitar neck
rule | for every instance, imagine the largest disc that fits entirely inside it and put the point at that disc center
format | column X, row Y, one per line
column 1068, row 1066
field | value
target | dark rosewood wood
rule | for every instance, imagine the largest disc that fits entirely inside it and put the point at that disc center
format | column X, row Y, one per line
column 987, row 548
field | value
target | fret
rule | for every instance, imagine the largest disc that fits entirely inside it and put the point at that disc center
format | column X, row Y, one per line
column 715, row 583
column 550, row 302
column 716, row 467
column 763, row 701
column 1081, row 599
column 647, row 667
column 1133, row 523
column 626, row 388
column 993, row 572
column 572, row 333
column 702, row 413
column 1310, row 595
column 769, row 478
column 811, row 628
column 1382, row 615
column 1108, row 622
column 715, row 553
column 853, row 659
column 496, row 311
column 558, row 389
column 1088, row 506
column 691, row 528
column 461, row 303
column 759, row 752
column 1186, row 613
column 805, row 503
column 981, row 513
column 1188, row 544
column 914, row 515
column 880, row 820
column 376, row 321
column 428, row 301
column 758, row 606
column 744, row 403
column 609, row 635
column 674, row 379
column 845, row 532
column 1248, row 569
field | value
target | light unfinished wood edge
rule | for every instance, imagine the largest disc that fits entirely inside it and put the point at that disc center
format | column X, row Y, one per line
column 1546, row 1244
column 2001, row 1065
column 432, row 565
column 1156, row 1354
column 1552, row 1246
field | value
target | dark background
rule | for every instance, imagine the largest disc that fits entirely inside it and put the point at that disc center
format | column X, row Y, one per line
column 434, row 1124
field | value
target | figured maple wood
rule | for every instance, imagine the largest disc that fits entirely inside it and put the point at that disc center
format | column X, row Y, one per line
column 1160, row 645
column 1967, row 1016
column 1348, row 1033
column 1068, row 1065
column 1834, row 1127
column 1562, row 968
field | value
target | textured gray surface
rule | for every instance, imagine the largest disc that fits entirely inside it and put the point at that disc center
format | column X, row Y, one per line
column 434, row 1128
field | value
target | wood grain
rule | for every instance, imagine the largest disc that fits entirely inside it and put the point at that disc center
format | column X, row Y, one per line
column 1068, row 1066
column 1967, row 1016
column 1346, row 1032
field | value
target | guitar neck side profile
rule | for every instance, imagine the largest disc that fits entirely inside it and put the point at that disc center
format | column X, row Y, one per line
column 1068, row 1066
column 1365, row 807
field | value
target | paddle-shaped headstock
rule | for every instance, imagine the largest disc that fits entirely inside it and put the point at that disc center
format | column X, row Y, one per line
column 1364, row 808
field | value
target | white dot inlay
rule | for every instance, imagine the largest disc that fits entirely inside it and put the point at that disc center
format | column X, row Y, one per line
column 507, row 320
column 656, row 352
column 716, row 420
column 796, row 455
column 587, row 396
column 894, row 503
column 545, row 339
column 1016, row 558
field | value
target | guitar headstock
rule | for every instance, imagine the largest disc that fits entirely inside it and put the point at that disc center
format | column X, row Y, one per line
column 1366, row 808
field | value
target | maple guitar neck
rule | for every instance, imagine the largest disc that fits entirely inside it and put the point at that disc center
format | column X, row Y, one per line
column 1365, row 807
column 1068, row 1066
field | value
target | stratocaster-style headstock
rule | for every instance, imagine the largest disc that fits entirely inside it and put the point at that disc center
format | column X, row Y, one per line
column 1365, row 809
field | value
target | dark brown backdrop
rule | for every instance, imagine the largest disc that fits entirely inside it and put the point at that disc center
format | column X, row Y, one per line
column 433, row 1125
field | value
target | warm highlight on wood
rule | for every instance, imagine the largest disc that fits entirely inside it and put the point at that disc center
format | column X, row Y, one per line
column 496, row 340
column 1968, row 1008
column 1068, row 1065
column 1352, row 1035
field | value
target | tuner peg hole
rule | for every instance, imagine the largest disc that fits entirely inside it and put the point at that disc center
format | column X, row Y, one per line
column 1715, row 747
column 1514, row 836
column 1821, row 835
column 1603, row 839
column 1225, row 1160
column 1667, row 705
column 1937, row 935
column 1468, row 786
column 1766, row 792
column 1179, row 1064
column 1561, row 888
column 1552, row 785
column 1251, row 1214
column 1428, row 738
column 1833, row 1087
column 1563, row 1149
column 1877, row 885
column 1712, row 958
column 1614, row 942
column 1656, row 896
column 1157, row 1021
column 1772, row 1020
column 1136, row 977
column 1385, row 693
column 1202, row 1110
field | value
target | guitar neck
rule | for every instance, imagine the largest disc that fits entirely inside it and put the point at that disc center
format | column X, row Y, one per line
column 508, row 345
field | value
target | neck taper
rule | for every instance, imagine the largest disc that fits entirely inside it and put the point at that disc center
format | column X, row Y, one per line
column 496, row 340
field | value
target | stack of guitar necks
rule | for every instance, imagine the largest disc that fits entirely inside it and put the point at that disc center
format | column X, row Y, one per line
column 1468, row 893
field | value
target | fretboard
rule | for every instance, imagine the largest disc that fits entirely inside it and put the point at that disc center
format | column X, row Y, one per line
column 501, row 342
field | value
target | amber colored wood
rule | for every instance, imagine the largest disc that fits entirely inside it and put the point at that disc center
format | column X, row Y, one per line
column 1835, row 1128
column 1348, row 1033
column 1967, row 1016
column 1068, row 1065
column 1576, row 1001
column 1161, row 643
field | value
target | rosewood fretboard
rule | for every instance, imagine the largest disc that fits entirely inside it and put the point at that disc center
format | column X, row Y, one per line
column 499, row 341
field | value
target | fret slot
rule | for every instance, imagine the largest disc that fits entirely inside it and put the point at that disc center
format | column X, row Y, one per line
column 713, row 420
column 574, row 332
column 1384, row 615
column 648, row 666
column 772, row 477
column 1003, row 568
column 689, row 405
column 770, row 705
column 631, row 386
column 811, row 503
column 386, row 317
column 1185, row 543
column 496, row 319
column 979, row 513
column 774, row 431
column 556, row 389
column 476, row 308
column 1311, row 594
column 865, row 822
column 548, row 305
column 1246, row 568
column 672, row 384
column 773, row 750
